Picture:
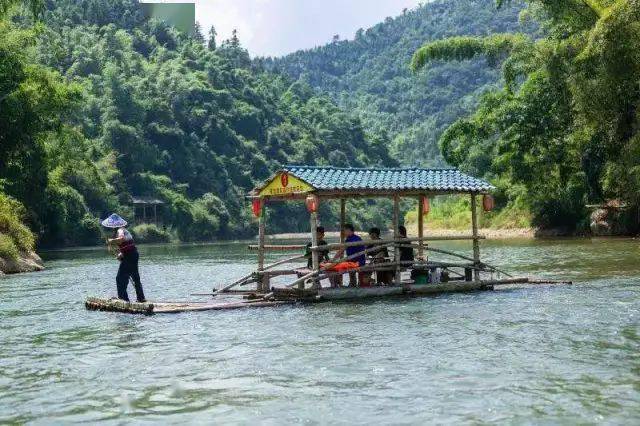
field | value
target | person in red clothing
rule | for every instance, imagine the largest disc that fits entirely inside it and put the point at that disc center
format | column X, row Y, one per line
column 128, row 257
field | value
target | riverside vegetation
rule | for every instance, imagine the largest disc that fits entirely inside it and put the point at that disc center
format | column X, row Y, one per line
column 562, row 132
column 557, row 132
column 97, row 104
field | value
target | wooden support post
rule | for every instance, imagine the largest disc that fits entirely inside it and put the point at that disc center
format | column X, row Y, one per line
column 315, row 262
column 421, row 226
column 343, row 217
column 396, row 235
column 155, row 214
column 263, row 284
column 144, row 213
column 474, row 232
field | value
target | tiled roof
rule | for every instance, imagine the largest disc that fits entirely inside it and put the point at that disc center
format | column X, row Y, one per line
column 351, row 179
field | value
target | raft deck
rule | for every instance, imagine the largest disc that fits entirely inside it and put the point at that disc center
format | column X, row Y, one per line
column 284, row 296
column 150, row 308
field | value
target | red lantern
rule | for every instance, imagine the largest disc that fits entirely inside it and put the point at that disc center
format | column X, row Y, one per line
column 426, row 206
column 488, row 203
column 256, row 206
column 312, row 203
column 284, row 179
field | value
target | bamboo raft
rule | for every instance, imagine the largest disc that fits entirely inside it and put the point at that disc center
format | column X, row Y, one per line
column 287, row 296
column 150, row 308
column 314, row 185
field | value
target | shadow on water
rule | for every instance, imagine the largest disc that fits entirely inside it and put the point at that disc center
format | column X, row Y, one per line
column 547, row 354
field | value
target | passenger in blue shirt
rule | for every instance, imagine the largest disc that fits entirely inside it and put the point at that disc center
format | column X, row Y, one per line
column 351, row 237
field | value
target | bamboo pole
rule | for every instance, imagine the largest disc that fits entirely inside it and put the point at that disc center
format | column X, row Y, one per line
column 283, row 261
column 451, row 253
column 335, row 246
column 285, row 247
column 118, row 305
column 261, row 235
column 251, row 275
column 421, row 226
column 468, row 258
column 315, row 263
column 280, row 272
column 343, row 217
column 396, row 232
column 526, row 281
column 233, row 284
column 474, row 231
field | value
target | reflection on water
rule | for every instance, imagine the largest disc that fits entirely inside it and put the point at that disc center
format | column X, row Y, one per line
column 542, row 355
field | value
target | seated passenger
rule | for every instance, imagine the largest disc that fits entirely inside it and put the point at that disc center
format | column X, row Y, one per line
column 381, row 255
column 406, row 253
column 323, row 256
column 351, row 237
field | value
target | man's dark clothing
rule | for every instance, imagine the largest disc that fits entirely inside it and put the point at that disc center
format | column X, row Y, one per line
column 406, row 253
column 323, row 255
column 379, row 252
column 129, row 268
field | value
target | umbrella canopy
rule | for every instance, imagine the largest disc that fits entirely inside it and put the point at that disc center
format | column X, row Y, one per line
column 114, row 221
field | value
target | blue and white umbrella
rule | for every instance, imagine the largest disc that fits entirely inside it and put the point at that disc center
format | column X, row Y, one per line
column 114, row 221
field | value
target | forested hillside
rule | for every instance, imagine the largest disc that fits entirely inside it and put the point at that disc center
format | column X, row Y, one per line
column 370, row 75
column 97, row 104
column 563, row 130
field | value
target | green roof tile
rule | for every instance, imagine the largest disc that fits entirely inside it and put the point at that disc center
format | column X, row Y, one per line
column 334, row 178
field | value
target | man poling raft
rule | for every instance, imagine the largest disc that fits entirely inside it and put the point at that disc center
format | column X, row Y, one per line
column 128, row 257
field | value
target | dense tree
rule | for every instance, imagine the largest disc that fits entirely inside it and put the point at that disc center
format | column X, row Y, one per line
column 197, row 33
column 211, row 43
column 565, row 126
column 35, row 6
column 99, row 104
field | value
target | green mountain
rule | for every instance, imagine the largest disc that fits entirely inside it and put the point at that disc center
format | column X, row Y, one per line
column 370, row 74
column 102, row 104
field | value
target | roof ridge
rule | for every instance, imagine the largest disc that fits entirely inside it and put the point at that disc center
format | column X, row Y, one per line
column 372, row 169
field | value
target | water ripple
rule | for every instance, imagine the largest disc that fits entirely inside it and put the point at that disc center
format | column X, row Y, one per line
column 545, row 355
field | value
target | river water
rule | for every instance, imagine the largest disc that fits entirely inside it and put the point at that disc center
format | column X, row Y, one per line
column 545, row 354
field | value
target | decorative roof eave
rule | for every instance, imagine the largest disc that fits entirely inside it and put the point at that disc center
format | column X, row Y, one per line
column 365, row 194
column 296, row 182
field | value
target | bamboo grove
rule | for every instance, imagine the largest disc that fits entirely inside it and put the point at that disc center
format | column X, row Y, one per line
column 563, row 131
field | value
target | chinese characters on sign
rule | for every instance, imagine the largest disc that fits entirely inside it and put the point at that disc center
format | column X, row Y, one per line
column 285, row 184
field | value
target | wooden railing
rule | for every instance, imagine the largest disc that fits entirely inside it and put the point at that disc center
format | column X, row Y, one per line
column 336, row 246
column 283, row 247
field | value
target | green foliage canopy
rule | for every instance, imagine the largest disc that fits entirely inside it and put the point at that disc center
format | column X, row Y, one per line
column 100, row 104
column 565, row 126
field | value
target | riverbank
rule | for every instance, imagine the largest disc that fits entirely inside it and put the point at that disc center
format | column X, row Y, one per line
column 25, row 262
